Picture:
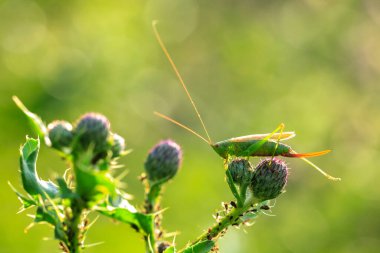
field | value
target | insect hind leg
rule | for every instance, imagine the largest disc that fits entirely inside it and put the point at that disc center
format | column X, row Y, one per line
column 282, row 127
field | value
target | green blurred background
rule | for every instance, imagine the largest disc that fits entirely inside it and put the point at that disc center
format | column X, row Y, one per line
column 312, row 64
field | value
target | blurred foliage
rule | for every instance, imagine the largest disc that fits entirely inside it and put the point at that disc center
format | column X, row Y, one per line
column 312, row 64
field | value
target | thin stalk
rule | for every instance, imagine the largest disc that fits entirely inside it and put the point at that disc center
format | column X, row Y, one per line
column 148, row 245
column 74, row 233
column 243, row 194
column 218, row 229
column 77, row 207
column 152, row 200
column 233, row 188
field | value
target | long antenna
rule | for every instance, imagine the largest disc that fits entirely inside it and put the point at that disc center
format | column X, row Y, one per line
column 162, row 45
column 181, row 125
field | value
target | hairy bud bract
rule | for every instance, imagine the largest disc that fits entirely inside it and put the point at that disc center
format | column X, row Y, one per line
column 269, row 179
column 60, row 134
column 241, row 171
column 91, row 131
column 118, row 145
column 163, row 161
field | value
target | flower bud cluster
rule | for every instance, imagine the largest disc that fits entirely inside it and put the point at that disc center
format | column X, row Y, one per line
column 266, row 181
column 91, row 133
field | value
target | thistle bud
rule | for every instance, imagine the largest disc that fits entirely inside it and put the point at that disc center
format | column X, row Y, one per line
column 163, row 161
column 269, row 179
column 118, row 145
column 60, row 134
column 92, row 131
column 241, row 171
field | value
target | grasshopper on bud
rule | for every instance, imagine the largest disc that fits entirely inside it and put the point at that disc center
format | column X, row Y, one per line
column 244, row 146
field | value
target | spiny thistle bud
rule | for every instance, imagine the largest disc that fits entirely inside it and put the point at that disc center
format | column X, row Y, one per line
column 241, row 171
column 60, row 134
column 269, row 179
column 118, row 145
column 163, row 161
column 91, row 131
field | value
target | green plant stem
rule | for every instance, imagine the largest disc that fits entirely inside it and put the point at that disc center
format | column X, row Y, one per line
column 233, row 188
column 217, row 229
column 243, row 195
column 74, row 232
column 151, row 202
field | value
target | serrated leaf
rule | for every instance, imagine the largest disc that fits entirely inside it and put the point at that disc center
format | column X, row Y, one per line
column 26, row 201
column 200, row 247
column 138, row 221
column 123, row 211
column 146, row 222
column 65, row 191
column 49, row 215
column 30, row 180
column 44, row 215
column 35, row 120
column 171, row 249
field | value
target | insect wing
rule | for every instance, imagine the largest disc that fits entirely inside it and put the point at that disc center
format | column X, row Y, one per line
column 276, row 136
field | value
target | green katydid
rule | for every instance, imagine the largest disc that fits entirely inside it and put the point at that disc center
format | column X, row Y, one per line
column 243, row 146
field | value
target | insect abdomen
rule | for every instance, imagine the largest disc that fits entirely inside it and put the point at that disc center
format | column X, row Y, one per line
column 268, row 148
column 242, row 149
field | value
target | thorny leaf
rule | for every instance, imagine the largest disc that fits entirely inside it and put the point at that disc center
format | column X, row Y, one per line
column 25, row 201
column 65, row 191
column 35, row 120
column 124, row 212
column 30, row 180
column 49, row 215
